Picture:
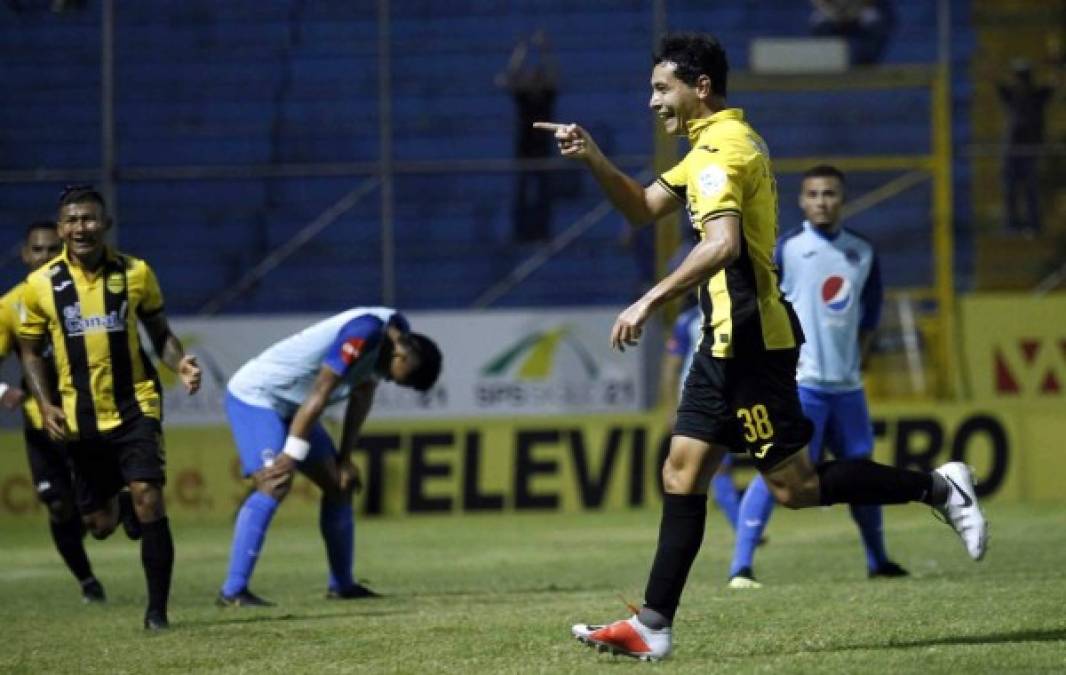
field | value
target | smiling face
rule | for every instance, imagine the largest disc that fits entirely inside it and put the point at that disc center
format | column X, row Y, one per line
column 673, row 101
column 82, row 226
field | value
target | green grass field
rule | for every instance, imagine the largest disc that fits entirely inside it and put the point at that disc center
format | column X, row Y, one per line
column 498, row 594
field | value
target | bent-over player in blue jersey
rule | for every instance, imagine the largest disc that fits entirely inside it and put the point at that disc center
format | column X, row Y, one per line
column 274, row 403
column 831, row 276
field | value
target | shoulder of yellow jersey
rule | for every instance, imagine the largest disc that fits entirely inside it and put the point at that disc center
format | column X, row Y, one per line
column 133, row 264
column 737, row 141
column 42, row 276
column 13, row 297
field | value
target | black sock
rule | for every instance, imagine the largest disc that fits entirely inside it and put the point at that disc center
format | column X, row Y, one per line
column 680, row 536
column 157, row 557
column 69, row 539
column 861, row 481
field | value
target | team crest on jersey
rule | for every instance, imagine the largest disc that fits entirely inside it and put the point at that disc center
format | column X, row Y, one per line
column 351, row 350
column 836, row 293
column 711, row 180
column 116, row 282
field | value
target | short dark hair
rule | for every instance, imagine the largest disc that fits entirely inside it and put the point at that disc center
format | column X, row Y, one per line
column 76, row 194
column 429, row 362
column 695, row 54
column 40, row 225
column 824, row 171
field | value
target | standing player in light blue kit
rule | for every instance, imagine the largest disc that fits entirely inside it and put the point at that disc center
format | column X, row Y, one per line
column 274, row 403
column 831, row 276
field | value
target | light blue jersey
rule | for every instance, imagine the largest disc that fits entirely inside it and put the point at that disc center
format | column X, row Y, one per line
column 349, row 343
column 834, row 284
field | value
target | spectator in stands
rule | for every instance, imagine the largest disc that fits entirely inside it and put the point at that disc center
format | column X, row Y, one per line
column 865, row 24
column 1024, row 102
column 531, row 77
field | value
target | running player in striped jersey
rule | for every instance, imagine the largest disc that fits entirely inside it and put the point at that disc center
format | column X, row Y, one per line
column 86, row 305
column 741, row 393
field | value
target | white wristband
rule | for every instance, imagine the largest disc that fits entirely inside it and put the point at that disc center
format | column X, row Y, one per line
column 297, row 448
column 4, row 386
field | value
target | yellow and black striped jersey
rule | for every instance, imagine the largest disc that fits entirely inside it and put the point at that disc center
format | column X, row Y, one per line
column 104, row 377
column 11, row 310
column 727, row 171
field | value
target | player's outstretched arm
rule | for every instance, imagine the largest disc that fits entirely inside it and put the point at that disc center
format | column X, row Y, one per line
column 640, row 205
column 171, row 352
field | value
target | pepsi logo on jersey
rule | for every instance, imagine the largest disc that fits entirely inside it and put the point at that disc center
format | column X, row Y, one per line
column 836, row 293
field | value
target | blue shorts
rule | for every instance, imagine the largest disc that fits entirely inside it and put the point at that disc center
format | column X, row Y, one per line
column 260, row 434
column 841, row 423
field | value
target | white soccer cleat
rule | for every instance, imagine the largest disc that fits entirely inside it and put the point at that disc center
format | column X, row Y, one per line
column 962, row 511
column 628, row 637
column 744, row 583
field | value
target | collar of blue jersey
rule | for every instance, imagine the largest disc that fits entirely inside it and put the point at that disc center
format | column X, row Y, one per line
column 698, row 126
column 824, row 235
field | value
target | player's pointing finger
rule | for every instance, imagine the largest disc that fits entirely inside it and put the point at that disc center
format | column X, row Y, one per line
column 549, row 126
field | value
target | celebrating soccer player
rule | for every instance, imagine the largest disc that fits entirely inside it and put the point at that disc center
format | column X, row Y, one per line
column 740, row 394
column 274, row 403
column 85, row 305
column 48, row 459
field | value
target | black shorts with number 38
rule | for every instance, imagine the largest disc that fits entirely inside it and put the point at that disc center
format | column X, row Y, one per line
column 748, row 403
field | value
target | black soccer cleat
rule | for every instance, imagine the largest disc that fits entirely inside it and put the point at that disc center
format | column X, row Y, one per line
column 354, row 592
column 92, row 592
column 244, row 598
column 131, row 525
column 889, row 570
column 156, row 621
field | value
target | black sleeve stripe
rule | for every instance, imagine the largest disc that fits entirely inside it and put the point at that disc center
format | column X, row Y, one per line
column 719, row 212
column 671, row 189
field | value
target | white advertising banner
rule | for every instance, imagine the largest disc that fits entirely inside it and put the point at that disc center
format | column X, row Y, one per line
column 496, row 363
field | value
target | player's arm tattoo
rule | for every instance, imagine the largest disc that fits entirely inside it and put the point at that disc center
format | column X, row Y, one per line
column 35, row 370
column 167, row 345
column 362, row 397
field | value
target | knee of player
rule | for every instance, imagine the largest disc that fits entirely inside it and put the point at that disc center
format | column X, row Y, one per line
column 338, row 495
column 674, row 481
column 278, row 490
column 800, row 495
column 148, row 502
column 99, row 528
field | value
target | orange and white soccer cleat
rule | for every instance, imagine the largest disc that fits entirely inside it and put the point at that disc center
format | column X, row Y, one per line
column 628, row 637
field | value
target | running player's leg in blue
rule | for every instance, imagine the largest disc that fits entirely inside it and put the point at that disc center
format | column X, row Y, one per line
column 336, row 520
column 850, row 421
column 757, row 503
column 754, row 512
column 725, row 491
column 255, row 430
